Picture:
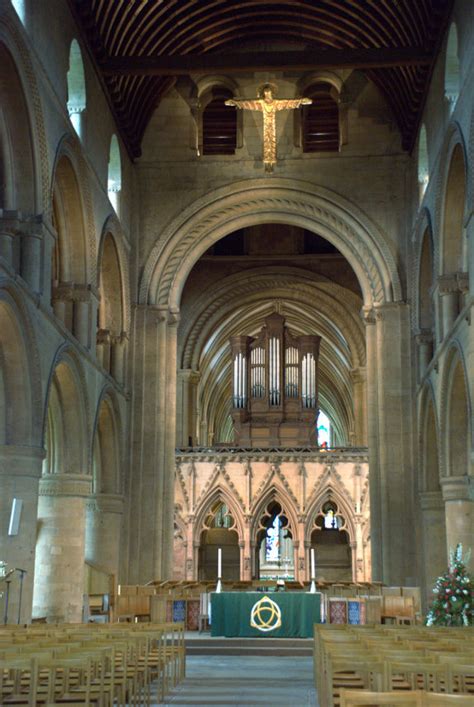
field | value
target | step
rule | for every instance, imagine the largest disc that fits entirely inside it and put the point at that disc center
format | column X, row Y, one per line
column 250, row 646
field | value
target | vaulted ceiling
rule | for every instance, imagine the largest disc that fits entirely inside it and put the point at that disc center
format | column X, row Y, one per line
column 140, row 46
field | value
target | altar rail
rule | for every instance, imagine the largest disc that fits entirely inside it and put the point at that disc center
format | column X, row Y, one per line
column 188, row 602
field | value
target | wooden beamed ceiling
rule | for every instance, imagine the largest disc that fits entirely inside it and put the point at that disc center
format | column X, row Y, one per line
column 140, row 46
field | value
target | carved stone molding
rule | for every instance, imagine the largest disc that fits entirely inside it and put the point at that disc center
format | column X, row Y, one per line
column 106, row 503
column 458, row 488
column 431, row 501
column 76, row 485
column 302, row 203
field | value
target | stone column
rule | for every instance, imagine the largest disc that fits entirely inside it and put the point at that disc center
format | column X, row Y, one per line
column 170, row 445
column 470, row 249
column 118, row 358
column 31, row 261
column 185, row 420
column 9, row 227
column 153, row 444
column 449, row 297
column 20, row 470
column 373, row 444
column 103, row 348
column 104, row 516
column 359, row 382
column 458, row 495
column 424, row 342
column 60, row 547
column 393, row 462
column 433, row 533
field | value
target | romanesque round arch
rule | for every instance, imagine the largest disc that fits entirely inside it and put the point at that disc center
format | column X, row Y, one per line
column 427, row 406
column 20, row 359
column 112, row 225
column 70, row 148
column 454, row 139
column 68, row 357
column 111, row 481
column 278, row 201
column 243, row 285
column 423, row 225
column 11, row 37
column 454, row 360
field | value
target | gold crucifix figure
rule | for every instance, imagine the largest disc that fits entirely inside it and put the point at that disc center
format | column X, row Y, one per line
column 269, row 107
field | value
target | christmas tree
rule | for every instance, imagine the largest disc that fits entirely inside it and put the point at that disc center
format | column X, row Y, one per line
column 452, row 603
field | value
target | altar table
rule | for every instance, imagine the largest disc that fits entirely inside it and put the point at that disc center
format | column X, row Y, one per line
column 274, row 615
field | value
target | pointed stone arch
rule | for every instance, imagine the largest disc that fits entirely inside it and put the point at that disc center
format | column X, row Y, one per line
column 281, row 201
column 219, row 493
column 278, row 494
column 331, row 490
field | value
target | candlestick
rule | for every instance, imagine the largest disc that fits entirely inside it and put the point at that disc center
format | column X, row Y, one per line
column 219, row 570
column 312, row 589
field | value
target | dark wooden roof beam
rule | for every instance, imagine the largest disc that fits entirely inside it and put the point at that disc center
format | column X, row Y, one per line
column 176, row 65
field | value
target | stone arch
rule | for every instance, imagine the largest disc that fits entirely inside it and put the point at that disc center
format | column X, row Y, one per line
column 70, row 263
column 423, row 162
column 20, row 380
column 456, row 414
column 330, row 492
column 280, row 496
column 452, row 73
column 66, row 417
column 451, row 201
column 111, row 304
column 112, row 226
column 114, row 174
column 205, row 311
column 70, row 149
column 76, row 88
column 429, row 442
column 425, row 281
column 17, row 167
column 335, row 384
column 11, row 41
column 280, row 201
column 106, row 446
column 218, row 493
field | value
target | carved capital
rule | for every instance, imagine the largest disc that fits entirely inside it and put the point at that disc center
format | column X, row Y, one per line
column 448, row 284
column 458, row 488
column 106, row 503
column 463, row 281
column 72, row 485
column 431, row 501
column 368, row 315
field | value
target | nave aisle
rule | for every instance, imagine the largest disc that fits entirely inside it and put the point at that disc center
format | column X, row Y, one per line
column 215, row 681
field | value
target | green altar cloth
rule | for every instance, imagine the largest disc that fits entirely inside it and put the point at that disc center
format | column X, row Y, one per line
column 274, row 615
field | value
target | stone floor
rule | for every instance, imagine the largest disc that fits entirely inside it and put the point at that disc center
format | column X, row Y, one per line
column 216, row 681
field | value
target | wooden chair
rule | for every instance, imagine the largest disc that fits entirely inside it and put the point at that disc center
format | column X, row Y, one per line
column 366, row 698
column 432, row 699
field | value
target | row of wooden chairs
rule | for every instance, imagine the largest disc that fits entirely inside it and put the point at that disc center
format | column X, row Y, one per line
column 90, row 664
column 411, row 698
column 384, row 658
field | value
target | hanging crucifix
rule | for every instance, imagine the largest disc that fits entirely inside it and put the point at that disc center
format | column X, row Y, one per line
column 269, row 107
